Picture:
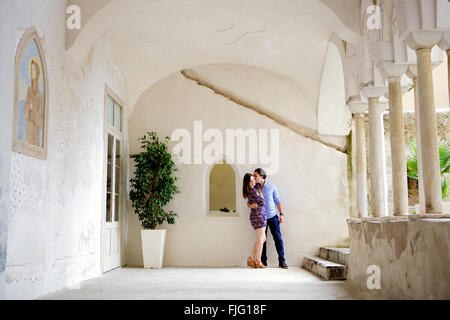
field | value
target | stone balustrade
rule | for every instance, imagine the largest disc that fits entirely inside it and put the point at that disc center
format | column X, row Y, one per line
column 412, row 253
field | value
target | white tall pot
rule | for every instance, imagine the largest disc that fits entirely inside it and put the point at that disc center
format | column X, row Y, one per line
column 153, row 242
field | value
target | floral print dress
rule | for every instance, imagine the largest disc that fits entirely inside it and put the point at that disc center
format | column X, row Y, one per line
column 258, row 217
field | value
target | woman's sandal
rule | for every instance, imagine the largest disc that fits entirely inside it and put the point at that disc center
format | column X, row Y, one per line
column 259, row 265
column 251, row 262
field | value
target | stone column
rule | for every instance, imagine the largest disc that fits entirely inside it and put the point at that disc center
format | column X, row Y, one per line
column 398, row 148
column 428, row 133
column 422, row 42
column 377, row 153
column 358, row 109
column 412, row 74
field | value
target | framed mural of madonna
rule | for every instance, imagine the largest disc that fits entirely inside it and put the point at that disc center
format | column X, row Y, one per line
column 30, row 98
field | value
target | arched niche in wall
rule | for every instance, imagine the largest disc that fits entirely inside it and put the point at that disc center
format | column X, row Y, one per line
column 221, row 189
column 30, row 97
column 334, row 118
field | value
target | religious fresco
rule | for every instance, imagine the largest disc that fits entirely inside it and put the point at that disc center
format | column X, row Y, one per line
column 29, row 135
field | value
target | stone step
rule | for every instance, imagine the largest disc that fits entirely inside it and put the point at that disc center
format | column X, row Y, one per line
column 328, row 270
column 338, row 255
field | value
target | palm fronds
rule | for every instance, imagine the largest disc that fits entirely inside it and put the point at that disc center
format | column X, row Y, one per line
column 411, row 162
column 444, row 163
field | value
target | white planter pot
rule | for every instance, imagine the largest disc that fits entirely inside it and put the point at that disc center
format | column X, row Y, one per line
column 153, row 243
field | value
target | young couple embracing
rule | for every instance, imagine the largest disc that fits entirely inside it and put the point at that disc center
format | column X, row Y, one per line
column 263, row 200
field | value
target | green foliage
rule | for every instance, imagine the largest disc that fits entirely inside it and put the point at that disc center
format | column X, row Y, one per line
column 444, row 162
column 444, row 157
column 444, row 187
column 225, row 209
column 411, row 162
column 153, row 185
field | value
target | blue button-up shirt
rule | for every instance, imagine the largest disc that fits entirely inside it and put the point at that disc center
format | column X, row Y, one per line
column 271, row 198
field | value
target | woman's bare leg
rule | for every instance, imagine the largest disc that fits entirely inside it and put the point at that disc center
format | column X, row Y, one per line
column 253, row 254
column 260, row 239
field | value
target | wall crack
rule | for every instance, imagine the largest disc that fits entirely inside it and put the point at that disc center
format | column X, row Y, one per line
column 300, row 130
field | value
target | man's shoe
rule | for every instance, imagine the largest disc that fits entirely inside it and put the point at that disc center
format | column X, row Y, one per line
column 283, row 265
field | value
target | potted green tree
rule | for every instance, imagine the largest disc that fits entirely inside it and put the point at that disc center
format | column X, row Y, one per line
column 152, row 187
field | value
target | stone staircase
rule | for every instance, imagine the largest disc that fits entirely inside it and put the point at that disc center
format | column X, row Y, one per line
column 331, row 264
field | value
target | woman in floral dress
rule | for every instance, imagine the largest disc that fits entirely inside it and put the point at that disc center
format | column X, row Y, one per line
column 258, row 219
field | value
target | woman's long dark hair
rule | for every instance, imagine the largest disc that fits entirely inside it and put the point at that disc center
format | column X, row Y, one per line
column 245, row 184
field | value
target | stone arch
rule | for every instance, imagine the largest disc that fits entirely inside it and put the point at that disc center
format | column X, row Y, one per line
column 333, row 115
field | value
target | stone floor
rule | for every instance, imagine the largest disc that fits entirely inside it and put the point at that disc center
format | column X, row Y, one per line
column 206, row 284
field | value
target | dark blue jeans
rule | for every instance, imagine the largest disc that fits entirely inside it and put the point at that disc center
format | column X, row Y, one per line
column 274, row 226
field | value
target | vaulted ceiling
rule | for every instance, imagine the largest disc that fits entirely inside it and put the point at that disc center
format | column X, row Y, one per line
column 155, row 38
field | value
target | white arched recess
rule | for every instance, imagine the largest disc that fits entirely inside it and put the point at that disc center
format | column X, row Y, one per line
column 206, row 173
column 334, row 117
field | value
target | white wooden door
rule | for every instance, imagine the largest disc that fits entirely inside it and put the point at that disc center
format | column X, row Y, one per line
column 111, row 223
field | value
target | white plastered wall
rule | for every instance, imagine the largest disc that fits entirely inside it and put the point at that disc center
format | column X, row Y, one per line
column 55, row 206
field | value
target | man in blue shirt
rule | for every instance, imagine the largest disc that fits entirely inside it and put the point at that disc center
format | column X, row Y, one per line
column 271, row 203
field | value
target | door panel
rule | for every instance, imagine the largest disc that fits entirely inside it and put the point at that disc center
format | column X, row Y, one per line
column 111, row 225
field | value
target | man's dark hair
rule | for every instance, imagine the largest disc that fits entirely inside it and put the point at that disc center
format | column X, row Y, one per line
column 261, row 172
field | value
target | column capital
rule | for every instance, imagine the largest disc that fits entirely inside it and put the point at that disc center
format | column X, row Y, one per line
column 392, row 70
column 411, row 72
column 404, row 90
column 358, row 107
column 444, row 44
column 423, row 39
column 377, row 106
column 373, row 92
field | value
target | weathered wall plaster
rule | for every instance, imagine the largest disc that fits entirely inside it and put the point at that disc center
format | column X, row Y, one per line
column 54, row 210
column 413, row 255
